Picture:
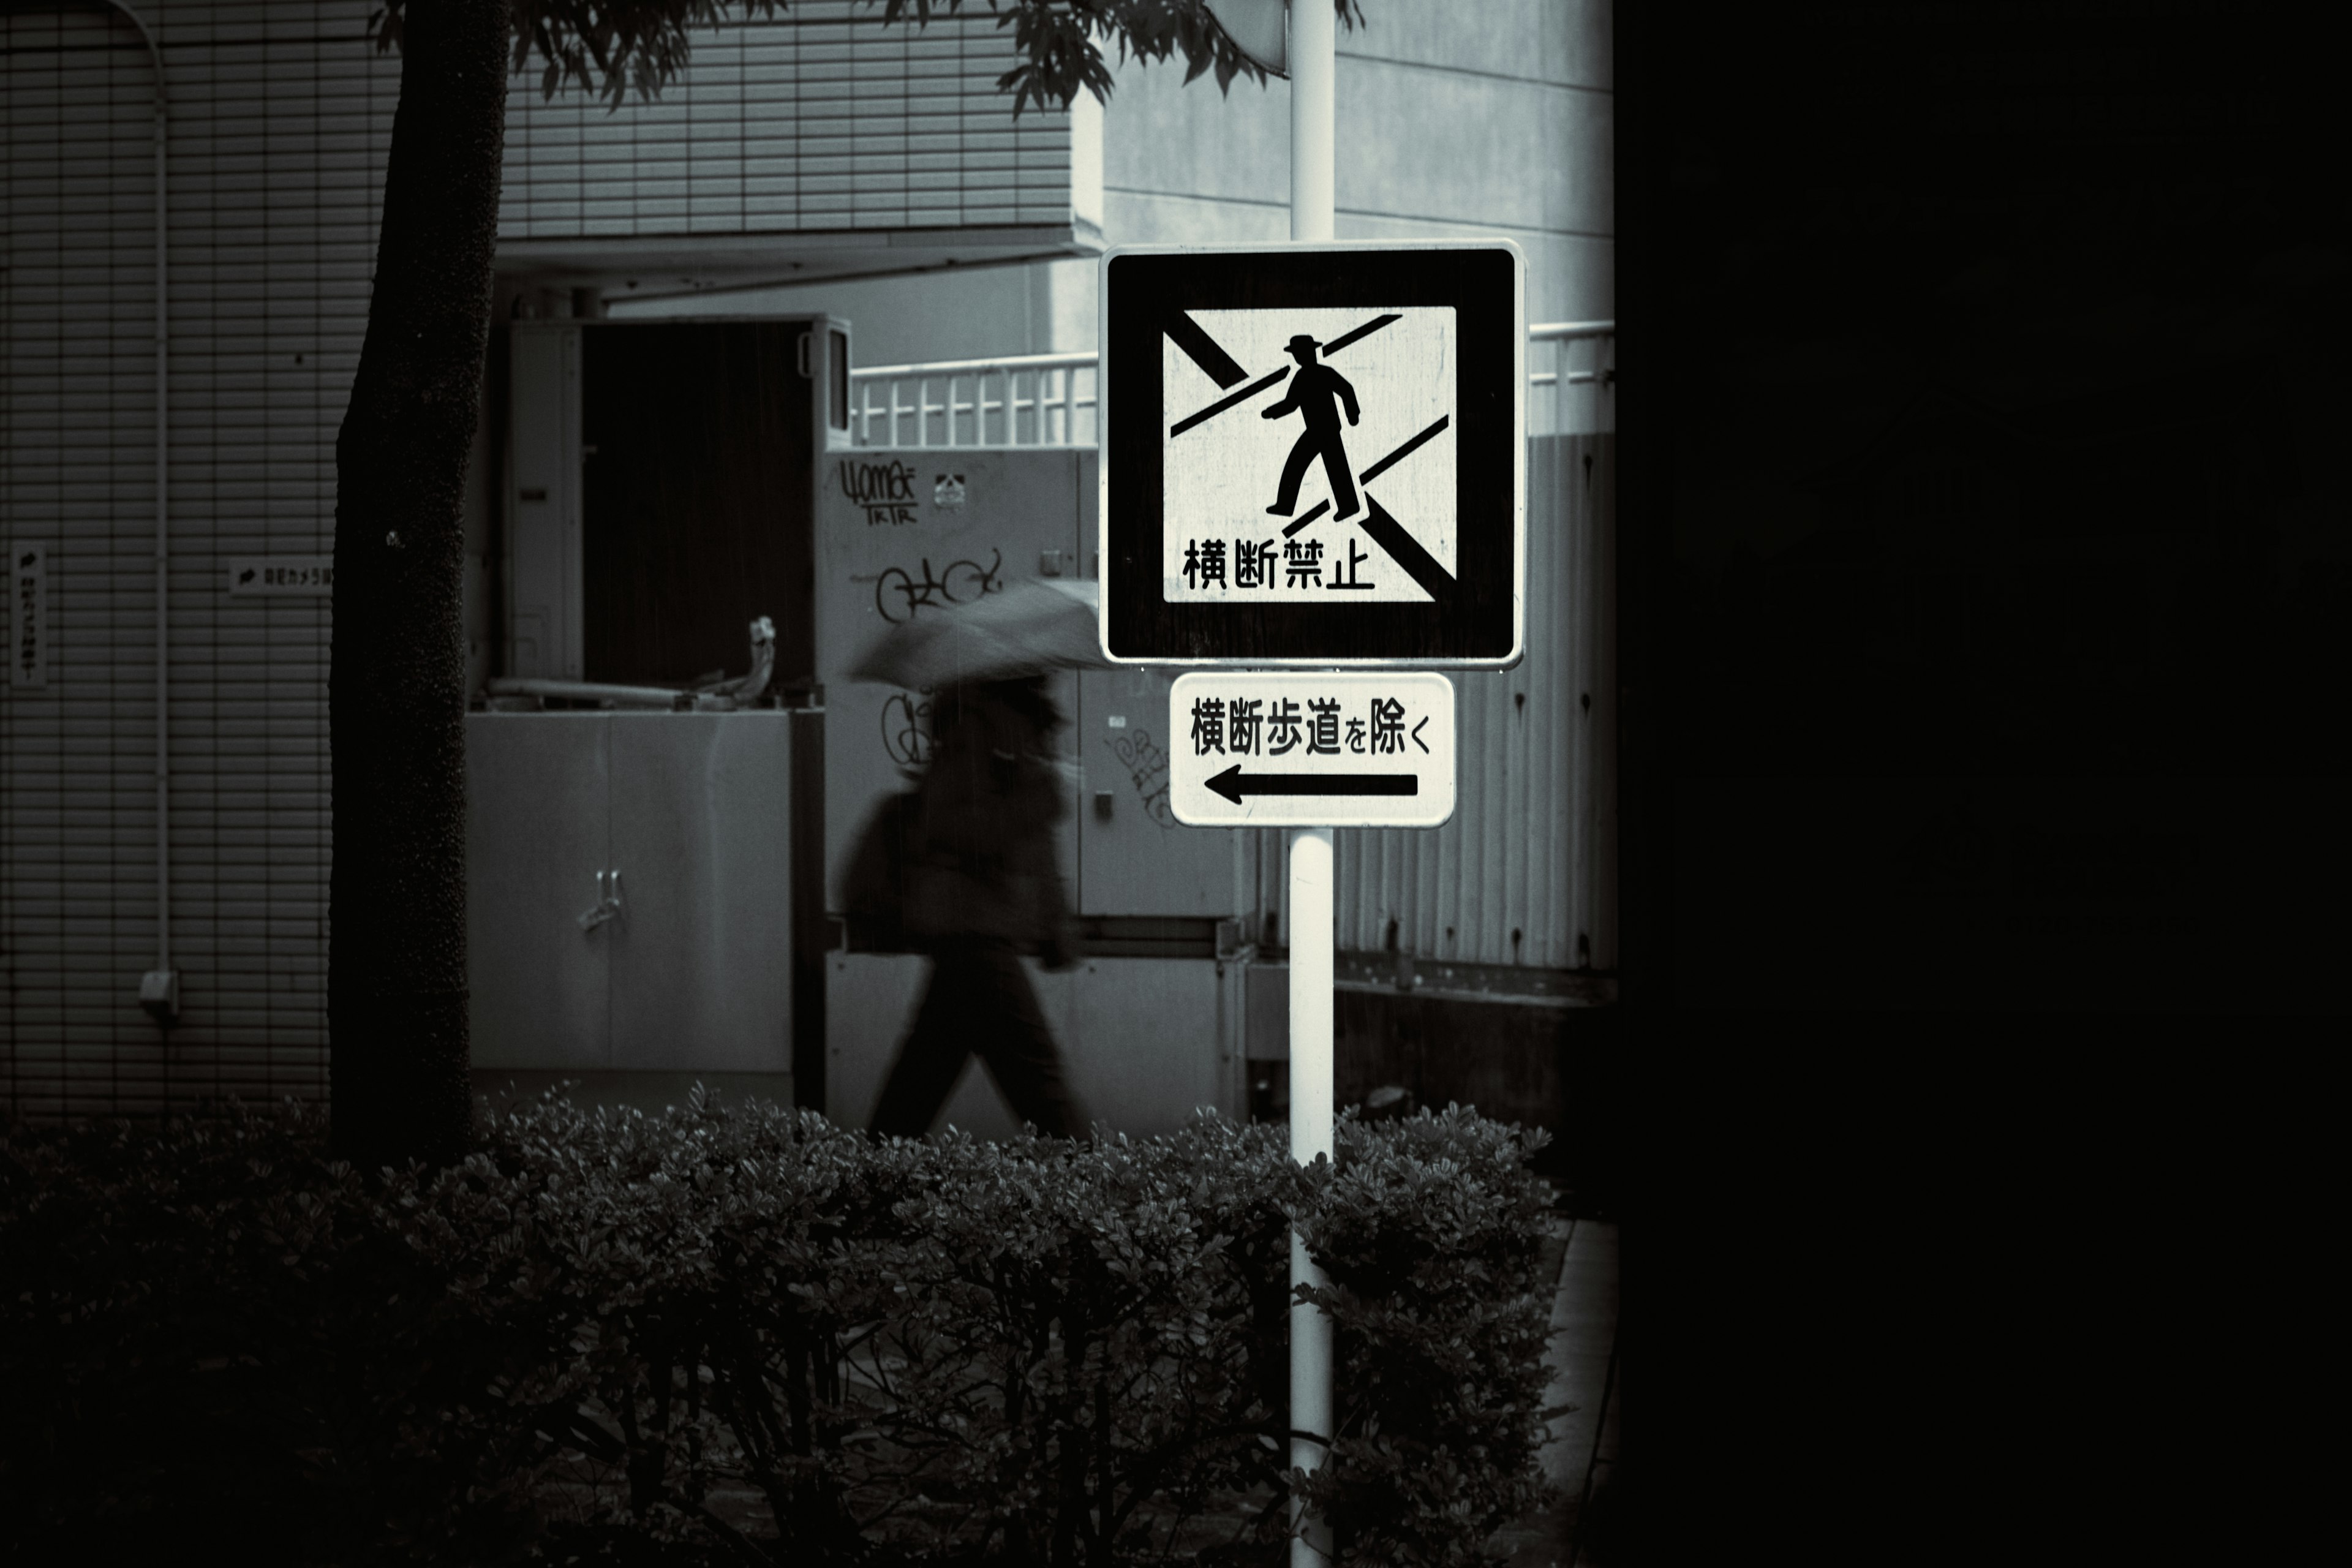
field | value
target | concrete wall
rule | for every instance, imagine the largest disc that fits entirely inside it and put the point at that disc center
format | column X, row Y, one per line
column 899, row 320
column 1453, row 121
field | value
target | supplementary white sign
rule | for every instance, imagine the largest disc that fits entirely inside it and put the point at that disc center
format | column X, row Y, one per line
column 309, row 575
column 1273, row 749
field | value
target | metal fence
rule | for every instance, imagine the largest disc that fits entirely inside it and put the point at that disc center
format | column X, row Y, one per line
column 1050, row 400
column 1571, row 378
column 1023, row 400
column 1524, row 877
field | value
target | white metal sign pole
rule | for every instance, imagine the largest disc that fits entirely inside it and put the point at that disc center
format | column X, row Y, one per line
column 1314, row 50
column 1313, row 60
column 1312, row 874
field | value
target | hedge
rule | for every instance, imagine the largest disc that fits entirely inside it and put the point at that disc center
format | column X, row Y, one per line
column 742, row 1335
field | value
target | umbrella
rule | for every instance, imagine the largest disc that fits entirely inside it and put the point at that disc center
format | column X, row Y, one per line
column 1026, row 628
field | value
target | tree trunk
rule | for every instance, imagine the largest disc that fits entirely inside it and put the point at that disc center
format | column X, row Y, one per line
column 396, row 698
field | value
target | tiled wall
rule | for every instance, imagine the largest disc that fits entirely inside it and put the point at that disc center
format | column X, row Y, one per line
column 810, row 120
column 279, row 116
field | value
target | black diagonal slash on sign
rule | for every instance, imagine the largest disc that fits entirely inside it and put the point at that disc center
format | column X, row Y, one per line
column 1219, row 406
column 1204, row 350
column 1219, row 366
column 1366, row 330
column 1406, row 551
column 1376, row 469
column 1390, row 461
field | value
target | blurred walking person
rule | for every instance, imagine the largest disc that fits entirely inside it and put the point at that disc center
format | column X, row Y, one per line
column 984, row 889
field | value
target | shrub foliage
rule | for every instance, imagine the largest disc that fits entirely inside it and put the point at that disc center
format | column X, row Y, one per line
column 740, row 1334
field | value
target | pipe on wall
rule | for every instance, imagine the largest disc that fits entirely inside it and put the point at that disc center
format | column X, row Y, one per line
column 159, row 989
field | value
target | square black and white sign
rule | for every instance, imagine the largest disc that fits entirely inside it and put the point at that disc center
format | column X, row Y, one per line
column 1313, row 455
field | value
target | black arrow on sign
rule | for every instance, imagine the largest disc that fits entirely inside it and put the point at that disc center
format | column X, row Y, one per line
column 1233, row 784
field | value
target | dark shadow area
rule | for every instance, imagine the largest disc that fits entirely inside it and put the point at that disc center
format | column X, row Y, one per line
column 1987, row 551
column 696, row 443
column 2010, row 586
column 1554, row 1068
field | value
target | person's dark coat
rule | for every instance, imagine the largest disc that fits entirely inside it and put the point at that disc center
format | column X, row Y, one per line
column 984, row 888
column 985, row 864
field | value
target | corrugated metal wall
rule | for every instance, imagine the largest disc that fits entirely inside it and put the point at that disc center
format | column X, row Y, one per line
column 809, row 120
column 280, row 115
column 1526, row 872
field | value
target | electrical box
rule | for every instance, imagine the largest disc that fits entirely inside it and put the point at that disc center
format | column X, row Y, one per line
column 630, row 891
column 643, row 886
column 906, row 534
column 634, row 879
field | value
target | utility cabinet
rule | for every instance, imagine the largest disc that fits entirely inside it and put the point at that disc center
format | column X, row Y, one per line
column 1135, row 859
column 630, row 891
column 644, row 894
column 903, row 536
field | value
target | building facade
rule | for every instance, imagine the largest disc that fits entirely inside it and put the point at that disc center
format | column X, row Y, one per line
column 188, row 204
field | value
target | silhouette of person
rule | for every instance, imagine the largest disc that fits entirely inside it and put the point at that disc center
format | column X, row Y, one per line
column 1312, row 389
column 983, row 889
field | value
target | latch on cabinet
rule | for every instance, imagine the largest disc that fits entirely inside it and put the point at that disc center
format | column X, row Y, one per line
column 608, row 900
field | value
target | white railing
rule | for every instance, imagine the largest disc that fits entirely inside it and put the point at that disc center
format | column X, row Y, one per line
column 1574, row 395
column 1049, row 400
column 1039, row 400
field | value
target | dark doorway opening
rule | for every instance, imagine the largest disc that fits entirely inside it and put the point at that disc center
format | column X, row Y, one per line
column 696, row 498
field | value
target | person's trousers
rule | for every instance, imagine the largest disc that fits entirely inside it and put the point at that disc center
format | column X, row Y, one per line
column 1326, row 445
column 979, row 1000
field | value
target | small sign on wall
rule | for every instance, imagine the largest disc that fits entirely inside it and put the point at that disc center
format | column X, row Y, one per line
column 298, row 577
column 28, row 616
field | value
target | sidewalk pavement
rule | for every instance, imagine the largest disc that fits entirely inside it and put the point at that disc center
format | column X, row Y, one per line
column 1581, row 1459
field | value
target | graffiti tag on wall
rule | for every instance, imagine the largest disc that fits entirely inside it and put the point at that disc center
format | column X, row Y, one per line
column 1147, row 767
column 886, row 491
column 898, row 594
column 906, row 731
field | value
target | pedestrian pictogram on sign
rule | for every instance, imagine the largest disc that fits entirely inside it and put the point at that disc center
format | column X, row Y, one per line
column 1313, row 455
column 1349, row 444
column 1342, row 748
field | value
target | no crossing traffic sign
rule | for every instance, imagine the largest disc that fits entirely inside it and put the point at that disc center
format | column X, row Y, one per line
column 1313, row 455
column 1323, row 749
